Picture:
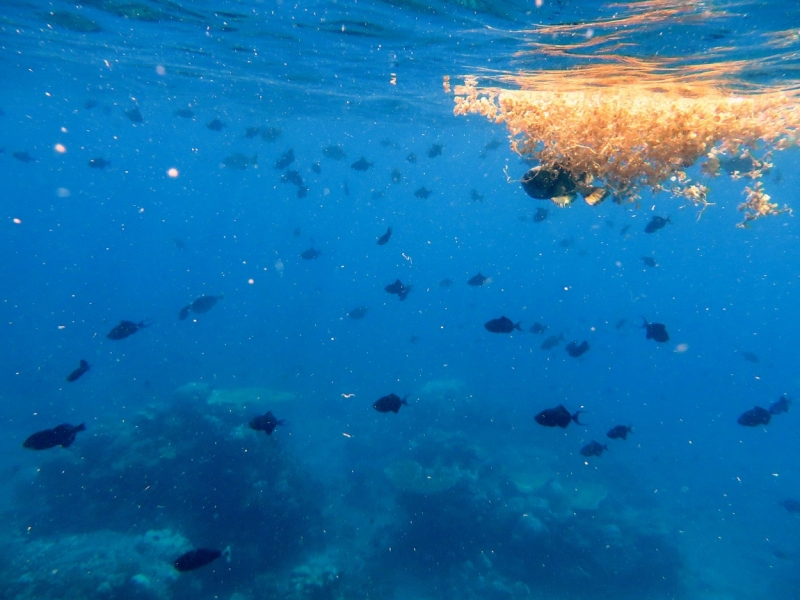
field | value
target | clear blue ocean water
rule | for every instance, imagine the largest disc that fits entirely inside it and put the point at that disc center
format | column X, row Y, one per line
column 460, row 494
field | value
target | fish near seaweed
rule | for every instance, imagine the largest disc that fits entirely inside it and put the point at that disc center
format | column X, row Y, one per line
column 655, row 331
column 126, row 329
column 502, row 325
column 594, row 449
column 619, row 432
column 63, row 435
column 477, row 280
column 390, row 403
column 266, row 423
column 557, row 417
column 385, row 237
column 78, row 373
column 754, row 417
column 575, row 350
column 361, row 164
column 655, row 224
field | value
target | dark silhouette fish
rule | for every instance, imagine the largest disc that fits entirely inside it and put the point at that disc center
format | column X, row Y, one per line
column 538, row 328
column 412, row 158
column 575, row 350
column 477, row 280
column 541, row 215
column 90, row 104
column 239, row 161
column 358, row 313
column 385, row 237
column 361, row 164
column 398, row 288
column 251, row 132
column 125, row 329
column 754, row 417
column 285, row 159
column 655, row 331
column 271, row 134
column 649, row 261
column 266, row 423
column 334, row 152
column 397, row 176
column 446, row 282
column 619, row 432
column 77, row 373
column 63, row 435
column 99, row 163
column 793, row 506
column 135, row 115
column 620, row 324
column 475, row 196
column 655, row 224
column 594, row 449
column 310, row 254
column 781, row 405
column 624, row 230
column 194, row 559
column 316, row 167
column 552, row 341
column 557, row 417
column 422, row 192
column 750, row 357
column 297, row 231
column 215, row 125
column 179, row 244
column 201, row 305
column 501, row 325
column 435, row 150
column 184, row 113
column 293, row 177
column 390, row 403
column 23, row 156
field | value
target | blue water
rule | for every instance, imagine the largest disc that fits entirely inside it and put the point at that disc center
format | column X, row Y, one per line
column 458, row 495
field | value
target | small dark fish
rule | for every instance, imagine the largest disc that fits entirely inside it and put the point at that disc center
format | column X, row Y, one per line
column 557, row 417
column 292, row 176
column 23, row 156
column 390, row 403
column 135, row 115
column 619, row 432
column 361, row 164
column 184, row 312
column 99, row 163
column 538, row 328
column 194, row 559
column 567, row 242
column 649, row 261
column 397, row 176
column 620, row 324
column 446, row 282
column 90, row 104
column 125, row 329
column 77, row 373
column 475, row 196
column 285, row 160
column 655, row 331
column 358, row 313
column 376, row 194
column 477, row 280
column 334, row 152
column 179, row 244
column 398, row 288
column 203, row 304
column 541, row 215
column 750, row 357
column 184, row 113
column 215, row 125
column 266, row 423
column 793, row 506
column 575, row 350
column 412, row 158
column 297, row 232
column 316, row 167
column 493, row 145
column 754, row 417
column 385, row 237
column 62, row 435
column 781, row 405
column 310, row 254
column 413, row 339
column 552, row 342
column 251, row 132
column 655, row 224
column 624, row 230
column 271, row 134
column 422, row 192
column 594, row 449
column 435, row 150
column 501, row 325
column 239, row 161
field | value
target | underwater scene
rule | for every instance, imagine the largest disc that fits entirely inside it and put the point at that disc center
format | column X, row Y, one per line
column 399, row 299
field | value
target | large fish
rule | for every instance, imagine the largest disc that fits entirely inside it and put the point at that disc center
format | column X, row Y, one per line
column 655, row 331
column 77, row 373
column 390, row 403
column 502, row 325
column 754, row 417
column 194, row 559
column 557, row 417
column 266, row 423
column 125, row 329
column 63, row 435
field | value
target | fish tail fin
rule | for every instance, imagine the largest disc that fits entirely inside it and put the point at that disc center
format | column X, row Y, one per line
column 404, row 400
column 575, row 416
column 645, row 322
column 517, row 325
column 81, row 427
